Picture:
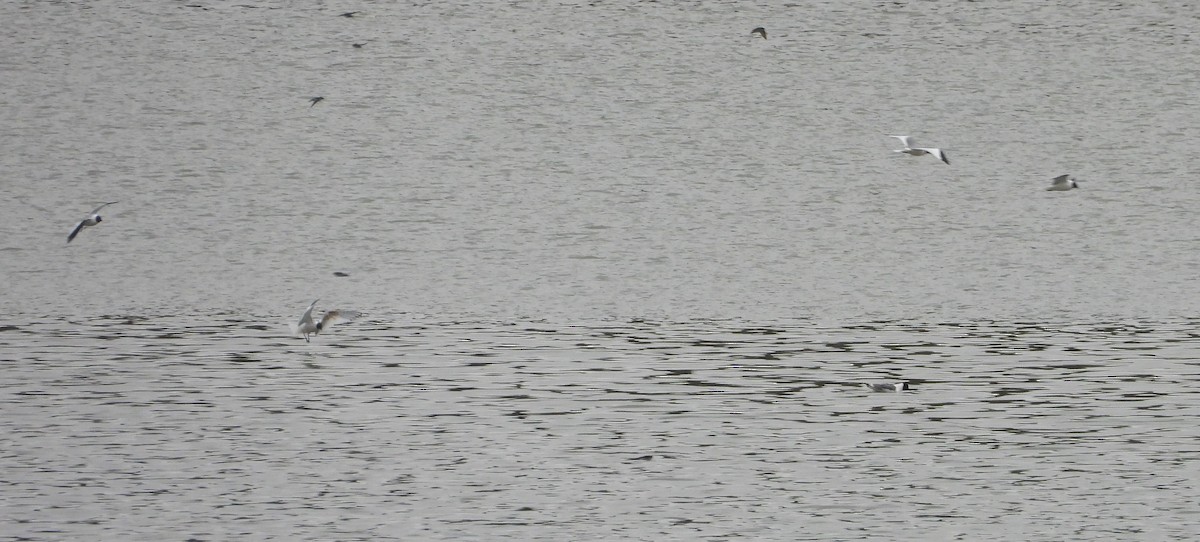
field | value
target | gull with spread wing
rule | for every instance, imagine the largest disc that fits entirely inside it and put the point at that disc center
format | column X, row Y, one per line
column 1062, row 182
column 92, row 219
column 307, row 327
column 919, row 151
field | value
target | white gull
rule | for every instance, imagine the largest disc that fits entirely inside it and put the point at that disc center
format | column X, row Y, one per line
column 92, row 219
column 1062, row 182
column 306, row 326
column 919, row 151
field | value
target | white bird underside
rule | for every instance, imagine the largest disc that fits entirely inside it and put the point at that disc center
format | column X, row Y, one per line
column 888, row 386
column 306, row 326
column 909, row 149
column 92, row 219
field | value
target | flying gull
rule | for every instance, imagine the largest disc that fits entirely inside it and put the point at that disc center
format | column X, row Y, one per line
column 1063, row 182
column 918, row 151
column 891, row 386
column 92, row 219
column 306, row 326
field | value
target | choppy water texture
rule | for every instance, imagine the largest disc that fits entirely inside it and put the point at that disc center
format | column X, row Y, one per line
column 624, row 267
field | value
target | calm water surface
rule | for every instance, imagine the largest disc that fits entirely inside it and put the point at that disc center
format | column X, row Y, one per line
column 624, row 267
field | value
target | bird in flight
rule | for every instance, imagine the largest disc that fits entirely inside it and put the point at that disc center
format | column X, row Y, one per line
column 92, row 219
column 306, row 326
column 889, row 386
column 760, row 31
column 919, row 151
column 1062, row 182
column 315, row 100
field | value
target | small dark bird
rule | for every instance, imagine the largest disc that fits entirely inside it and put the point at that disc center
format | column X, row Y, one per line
column 315, row 100
column 760, row 31
column 349, row 14
column 92, row 219
column 358, row 45
column 340, row 274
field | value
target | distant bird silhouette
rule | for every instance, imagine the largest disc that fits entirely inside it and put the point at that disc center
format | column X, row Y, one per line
column 315, row 100
column 897, row 386
column 358, row 45
column 340, row 274
column 92, row 219
column 306, row 326
column 1062, row 182
column 349, row 14
column 760, row 31
column 919, row 151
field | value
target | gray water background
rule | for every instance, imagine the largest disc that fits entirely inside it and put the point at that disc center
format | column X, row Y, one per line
column 623, row 267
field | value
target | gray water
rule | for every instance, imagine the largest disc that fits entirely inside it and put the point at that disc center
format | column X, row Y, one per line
column 624, row 268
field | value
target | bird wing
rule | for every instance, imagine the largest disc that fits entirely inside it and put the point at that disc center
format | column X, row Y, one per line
column 97, row 209
column 939, row 154
column 904, row 140
column 333, row 317
column 74, row 232
column 308, row 314
column 1061, row 179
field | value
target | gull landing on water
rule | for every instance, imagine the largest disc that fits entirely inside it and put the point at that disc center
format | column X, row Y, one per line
column 92, row 219
column 306, row 326
column 1063, row 182
column 918, row 151
column 893, row 386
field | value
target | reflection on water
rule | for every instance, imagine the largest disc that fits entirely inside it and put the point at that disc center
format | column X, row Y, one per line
column 145, row 426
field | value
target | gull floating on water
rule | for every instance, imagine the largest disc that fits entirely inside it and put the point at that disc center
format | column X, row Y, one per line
column 1063, row 182
column 918, row 151
column 760, row 31
column 92, row 219
column 306, row 326
column 894, row 386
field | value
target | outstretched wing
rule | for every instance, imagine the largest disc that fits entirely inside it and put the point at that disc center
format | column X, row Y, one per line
column 307, row 318
column 333, row 317
column 74, row 232
column 97, row 209
column 939, row 154
column 904, row 140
